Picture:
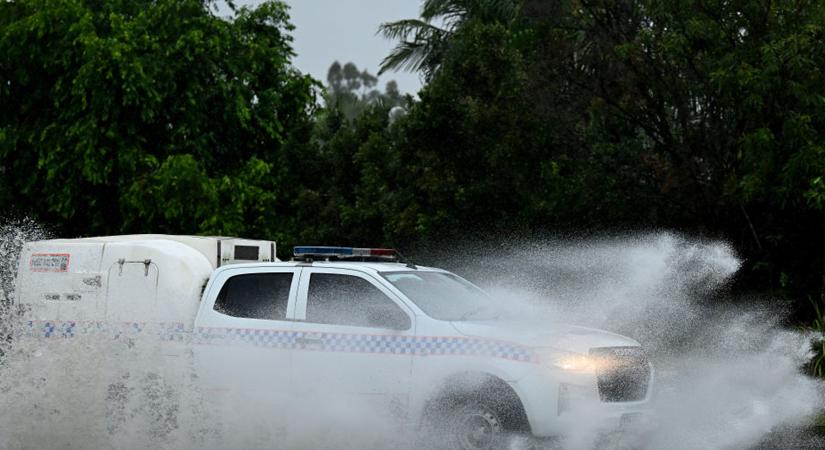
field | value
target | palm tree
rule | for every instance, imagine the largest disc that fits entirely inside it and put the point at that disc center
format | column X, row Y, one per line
column 423, row 43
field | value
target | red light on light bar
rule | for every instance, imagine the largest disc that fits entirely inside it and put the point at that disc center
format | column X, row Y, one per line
column 345, row 252
column 382, row 252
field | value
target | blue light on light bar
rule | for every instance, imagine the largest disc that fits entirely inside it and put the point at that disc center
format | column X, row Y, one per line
column 331, row 251
column 345, row 251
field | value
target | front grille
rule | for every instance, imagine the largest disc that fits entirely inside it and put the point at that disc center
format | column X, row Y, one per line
column 626, row 374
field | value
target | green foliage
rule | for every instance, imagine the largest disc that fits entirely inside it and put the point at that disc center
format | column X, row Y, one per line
column 498, row 144
column 155, row 115
column 424, row 45
column 816, row 366
column 134, row 115
column 706, row 117
column 351, row 91
column 820, row 422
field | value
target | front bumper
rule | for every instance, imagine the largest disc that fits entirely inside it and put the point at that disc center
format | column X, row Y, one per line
column 557, row 402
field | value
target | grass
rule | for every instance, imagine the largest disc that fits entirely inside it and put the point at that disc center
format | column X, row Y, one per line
column 816, row 366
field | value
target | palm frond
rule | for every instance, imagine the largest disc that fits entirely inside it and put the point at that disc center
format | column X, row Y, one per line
column 455, row 11
column 418, row 47
column 410, row 56
column 422, row 43
column 447, row 10
column 402, row 29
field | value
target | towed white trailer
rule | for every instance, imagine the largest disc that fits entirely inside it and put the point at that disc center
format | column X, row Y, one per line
column 126, row 279
column 334, row 321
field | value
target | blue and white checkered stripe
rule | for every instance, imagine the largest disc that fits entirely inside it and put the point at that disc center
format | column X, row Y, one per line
column 286, row 339
column 365, row 343
column 245, row 336
column 168, row 331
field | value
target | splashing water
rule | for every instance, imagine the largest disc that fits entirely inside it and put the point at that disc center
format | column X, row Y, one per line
column 727, row 374
column 12, row 237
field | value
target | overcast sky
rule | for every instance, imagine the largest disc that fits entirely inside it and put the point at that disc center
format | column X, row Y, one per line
column 344, row 30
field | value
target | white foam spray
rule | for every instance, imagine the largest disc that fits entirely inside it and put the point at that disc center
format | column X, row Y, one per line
column 728, row 374
column 13, row 235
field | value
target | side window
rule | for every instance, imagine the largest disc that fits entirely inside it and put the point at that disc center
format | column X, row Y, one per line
column 255, row 296
column 349, row 300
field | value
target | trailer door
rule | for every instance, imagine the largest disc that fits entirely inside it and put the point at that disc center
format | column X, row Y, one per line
column 131, row 291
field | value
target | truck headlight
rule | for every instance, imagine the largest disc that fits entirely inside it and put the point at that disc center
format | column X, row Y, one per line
column 578, row 363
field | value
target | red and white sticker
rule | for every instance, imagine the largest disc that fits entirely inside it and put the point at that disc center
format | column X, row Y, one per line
column 49, row 262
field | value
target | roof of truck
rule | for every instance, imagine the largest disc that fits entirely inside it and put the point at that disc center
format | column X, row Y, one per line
column 131, row 237
column 377, row 266
column 373, row 266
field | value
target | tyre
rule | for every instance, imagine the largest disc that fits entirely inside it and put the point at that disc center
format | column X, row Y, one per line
column 475, row 426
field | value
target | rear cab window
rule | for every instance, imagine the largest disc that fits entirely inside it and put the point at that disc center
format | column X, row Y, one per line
column 262, row 296
column 251, row 297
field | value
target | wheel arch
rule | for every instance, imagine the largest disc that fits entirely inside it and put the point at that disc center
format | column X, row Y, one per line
column 480, row 386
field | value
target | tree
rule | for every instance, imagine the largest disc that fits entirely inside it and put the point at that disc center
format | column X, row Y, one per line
column 720, row 96
column 352, row 91
column 699, row 116
column 149, row 115
column 424, row 43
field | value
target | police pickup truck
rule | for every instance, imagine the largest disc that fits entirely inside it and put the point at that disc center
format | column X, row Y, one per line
column 353, row 321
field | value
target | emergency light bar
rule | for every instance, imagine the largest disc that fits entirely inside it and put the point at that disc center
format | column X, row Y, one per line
column 344, row 252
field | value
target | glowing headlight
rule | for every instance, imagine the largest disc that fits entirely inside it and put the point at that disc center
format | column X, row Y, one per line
column 583, row 363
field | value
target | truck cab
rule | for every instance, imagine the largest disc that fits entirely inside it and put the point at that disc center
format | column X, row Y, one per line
column 423, row 339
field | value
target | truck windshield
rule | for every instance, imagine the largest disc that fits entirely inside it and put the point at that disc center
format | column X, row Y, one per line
column 443, row 296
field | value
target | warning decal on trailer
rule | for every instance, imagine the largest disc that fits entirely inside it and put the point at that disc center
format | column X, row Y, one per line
column 49, row 262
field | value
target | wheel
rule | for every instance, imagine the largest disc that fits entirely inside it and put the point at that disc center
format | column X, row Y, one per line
column 475, row 412
column 475, row 426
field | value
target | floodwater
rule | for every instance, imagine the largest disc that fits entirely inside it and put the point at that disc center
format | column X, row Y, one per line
column 728, row 375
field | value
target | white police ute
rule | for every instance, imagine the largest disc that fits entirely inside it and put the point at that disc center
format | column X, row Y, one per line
column 357, row 322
